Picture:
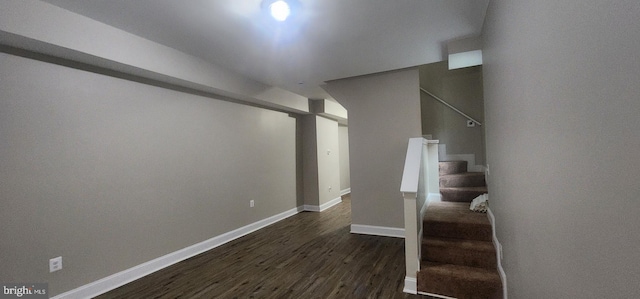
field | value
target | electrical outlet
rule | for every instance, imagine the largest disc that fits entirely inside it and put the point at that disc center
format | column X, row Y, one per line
column 252, row 203
column 55, row 264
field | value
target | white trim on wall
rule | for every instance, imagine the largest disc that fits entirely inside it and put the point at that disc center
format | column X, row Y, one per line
column 323, row 206
column 345, row 191
column 434, row 197
column 436, row 295
column 410, row 285
column 498, row 246
column 377, row 230
column 121, row 278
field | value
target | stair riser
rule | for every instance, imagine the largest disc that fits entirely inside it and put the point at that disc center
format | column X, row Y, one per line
column 463, row 181
column 459, row 256
column 442, row 284
column 457, row 231
column 452, row 167
column 460, row 195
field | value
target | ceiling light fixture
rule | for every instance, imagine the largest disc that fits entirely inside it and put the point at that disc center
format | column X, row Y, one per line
column 280, row 10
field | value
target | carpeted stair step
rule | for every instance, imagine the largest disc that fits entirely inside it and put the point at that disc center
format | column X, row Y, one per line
column 459, row 281
column 455, row 220
column 452, row 167
column 461, row 194
column 466, row 179
column 469, row 253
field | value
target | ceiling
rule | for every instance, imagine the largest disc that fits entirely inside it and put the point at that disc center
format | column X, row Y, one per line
column 325, row 40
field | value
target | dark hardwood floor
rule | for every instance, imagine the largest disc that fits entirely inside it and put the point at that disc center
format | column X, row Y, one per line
column 308, row 255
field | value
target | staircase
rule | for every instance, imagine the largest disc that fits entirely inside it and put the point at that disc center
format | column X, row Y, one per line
column 456, row 184
column 458, row 256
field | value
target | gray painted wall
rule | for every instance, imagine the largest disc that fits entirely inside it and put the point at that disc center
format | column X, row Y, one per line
column 328, row 159
column 321, row 160
column 562, row 115
column 310, row 160
column 461, row 88
column 110, row 173
column 384, row 112
column 345, row 176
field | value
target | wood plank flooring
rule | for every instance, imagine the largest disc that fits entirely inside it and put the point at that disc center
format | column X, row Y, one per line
column 308, row 255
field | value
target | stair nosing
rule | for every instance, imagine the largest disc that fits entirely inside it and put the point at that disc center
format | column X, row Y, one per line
column 474, row 189
column 468, row 173
column 459, row 243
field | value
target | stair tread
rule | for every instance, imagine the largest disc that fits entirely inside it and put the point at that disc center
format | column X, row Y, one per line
column 441, row 206
column 462, row 194
column 459, row 281
column 472, row 189
column 464, row 179
column 463, row 174
column 463, row 252
column 463, row 272
column 476, row 245
column 450, row 167
column 454, row 212
column 455, row 220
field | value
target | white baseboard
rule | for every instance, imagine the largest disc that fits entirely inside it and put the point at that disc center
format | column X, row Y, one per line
column 323, row 206
column 377, row 230
column 498, row 246
column 345, row 191
column 121, row 278
column 410, row 285
column 436, row 295
column 434, row 197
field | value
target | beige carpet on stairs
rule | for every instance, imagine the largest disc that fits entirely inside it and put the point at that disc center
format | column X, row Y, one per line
column 458, row 255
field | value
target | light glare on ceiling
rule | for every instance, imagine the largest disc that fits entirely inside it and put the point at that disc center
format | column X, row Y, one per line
column 280, row 10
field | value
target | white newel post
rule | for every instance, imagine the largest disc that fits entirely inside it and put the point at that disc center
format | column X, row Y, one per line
column 409, row 189
column 419, row 186
column 412, row 260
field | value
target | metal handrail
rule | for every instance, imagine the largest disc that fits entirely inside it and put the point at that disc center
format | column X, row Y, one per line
column 450, row 106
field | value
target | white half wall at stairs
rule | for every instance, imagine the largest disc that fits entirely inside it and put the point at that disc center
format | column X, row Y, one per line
column 470, row 158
